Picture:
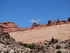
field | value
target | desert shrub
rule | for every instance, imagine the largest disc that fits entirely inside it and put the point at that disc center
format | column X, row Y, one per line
column 53, row 41
column 65, row 47
column 58, row 47
column 0, row 51
column 59, row 52
column 15, row 52
column 6, row 51
column 31, row 46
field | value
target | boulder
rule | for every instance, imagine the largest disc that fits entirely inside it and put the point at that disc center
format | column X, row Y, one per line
column 44, row 25
column 59, row 22
column 9, row 25
column 51, row 23
column 68, row 19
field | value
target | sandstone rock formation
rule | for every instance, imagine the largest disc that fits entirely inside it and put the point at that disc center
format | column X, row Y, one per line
column 35, row 25
column 51, row 23
column 1, row 28
column 59, row 22
column 44, row 25
column 69, row 19
column 24, row 29
column 8, row 26
column 8, row 44
column 61, row 32
column 12, row 27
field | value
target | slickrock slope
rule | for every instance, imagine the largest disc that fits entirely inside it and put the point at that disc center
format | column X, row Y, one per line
column 61, row 32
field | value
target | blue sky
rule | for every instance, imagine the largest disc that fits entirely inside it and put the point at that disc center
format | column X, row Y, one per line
column 24, row 12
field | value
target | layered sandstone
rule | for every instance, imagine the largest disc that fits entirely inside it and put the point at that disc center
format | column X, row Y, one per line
column 12, row 27
column 59, row 22
column 51, row 23
column 8, row 26
column 60, row 32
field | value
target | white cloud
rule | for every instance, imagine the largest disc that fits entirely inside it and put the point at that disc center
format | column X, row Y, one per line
column 33, row 20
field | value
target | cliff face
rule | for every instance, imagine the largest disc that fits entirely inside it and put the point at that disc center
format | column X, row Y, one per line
column 8, row 27
column 11, row 27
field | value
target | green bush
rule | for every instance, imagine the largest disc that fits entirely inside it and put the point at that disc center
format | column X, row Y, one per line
column 0, row 51
column 31, row 46
column 58, row 47
column 15, row 52
column 53, row 41
column 59, row 52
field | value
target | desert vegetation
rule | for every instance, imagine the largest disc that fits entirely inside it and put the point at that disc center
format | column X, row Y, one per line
column 9, row 45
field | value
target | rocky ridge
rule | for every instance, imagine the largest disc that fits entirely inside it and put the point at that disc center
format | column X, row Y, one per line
column 12, row 27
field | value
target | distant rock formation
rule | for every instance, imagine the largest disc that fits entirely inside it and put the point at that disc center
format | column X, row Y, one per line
column 35, row 25
column 59, row 22
column 12, row 27
column 69, row 19
column 44, row 25
column 8, row 26
column 50, row 23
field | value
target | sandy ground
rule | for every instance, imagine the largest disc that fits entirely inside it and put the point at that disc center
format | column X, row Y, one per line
column 60, row 32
